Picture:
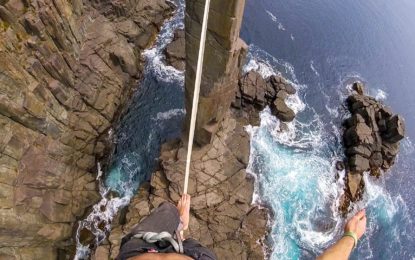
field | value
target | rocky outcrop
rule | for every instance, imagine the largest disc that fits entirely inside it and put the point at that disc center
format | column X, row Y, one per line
column 371, row 140
column 224, row 56
column 255, row 93
column 67, row 68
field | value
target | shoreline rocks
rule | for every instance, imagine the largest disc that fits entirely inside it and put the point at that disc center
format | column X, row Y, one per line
column 371, row 139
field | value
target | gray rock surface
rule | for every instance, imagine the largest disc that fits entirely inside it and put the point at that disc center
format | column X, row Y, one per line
column 175, row 51
column 67, row 68
column 222, row 216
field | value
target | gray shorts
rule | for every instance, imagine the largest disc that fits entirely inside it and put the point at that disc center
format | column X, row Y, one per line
column 164, row 218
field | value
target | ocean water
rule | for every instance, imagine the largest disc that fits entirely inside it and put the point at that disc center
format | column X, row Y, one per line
column 322, row 47
column 155, row 115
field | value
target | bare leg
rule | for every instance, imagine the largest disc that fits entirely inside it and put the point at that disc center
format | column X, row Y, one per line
column 184, row 210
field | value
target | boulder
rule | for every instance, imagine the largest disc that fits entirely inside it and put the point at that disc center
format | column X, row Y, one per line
column 252, row 87
column 360, row 150
column 359, row 163
column 290, row 89
column 358, row 134
column 395, row 129
column 280, row 109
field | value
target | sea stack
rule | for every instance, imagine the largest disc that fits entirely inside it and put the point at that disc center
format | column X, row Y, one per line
column 371, row 139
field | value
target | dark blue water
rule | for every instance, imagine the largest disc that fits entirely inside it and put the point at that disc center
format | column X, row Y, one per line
column 322, row 46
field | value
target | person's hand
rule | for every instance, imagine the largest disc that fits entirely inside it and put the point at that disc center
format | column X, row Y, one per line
column 357, row 224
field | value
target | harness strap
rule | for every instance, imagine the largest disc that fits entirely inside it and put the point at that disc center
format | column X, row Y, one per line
column 152, row 237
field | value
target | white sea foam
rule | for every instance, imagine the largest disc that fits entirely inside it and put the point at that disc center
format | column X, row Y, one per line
column 155, row 57
column 292, row 37
column 380, row 95
column 275, row 20
column 314, row 69
column 169, row 114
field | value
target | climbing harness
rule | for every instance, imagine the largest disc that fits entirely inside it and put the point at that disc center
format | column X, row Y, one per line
column 153, row 237
column 196, row 94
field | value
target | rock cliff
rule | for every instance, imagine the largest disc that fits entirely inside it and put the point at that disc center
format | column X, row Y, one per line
column 66, row 70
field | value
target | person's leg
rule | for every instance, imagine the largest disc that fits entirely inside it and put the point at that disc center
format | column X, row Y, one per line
column 184, row 210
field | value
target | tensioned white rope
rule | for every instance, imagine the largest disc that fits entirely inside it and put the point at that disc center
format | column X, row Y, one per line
column 196, row 95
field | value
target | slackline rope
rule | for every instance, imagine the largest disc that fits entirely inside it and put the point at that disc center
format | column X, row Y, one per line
column 196, row 95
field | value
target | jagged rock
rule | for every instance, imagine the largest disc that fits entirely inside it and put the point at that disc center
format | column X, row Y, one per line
column 101, row 253
column 395, row 129
column 361, row 150
column 358, row 134
column 253, row 87
column 175, row 51
column 290, row 89
column 371, row 139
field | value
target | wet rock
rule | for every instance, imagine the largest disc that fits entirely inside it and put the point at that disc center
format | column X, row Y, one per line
column 222, row 217
column 359, row 163
column 290, row 89
column 395, row 130
column 340, row 166
column 280, row 109
column 353, row 184
column 358, row 87
column 361, row 150
column 175, row 51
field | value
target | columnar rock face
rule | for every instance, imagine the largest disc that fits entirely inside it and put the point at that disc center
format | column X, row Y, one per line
column 223, row 58
column 66, row 69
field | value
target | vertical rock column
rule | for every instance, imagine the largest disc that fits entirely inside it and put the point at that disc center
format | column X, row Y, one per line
column 223, row 59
